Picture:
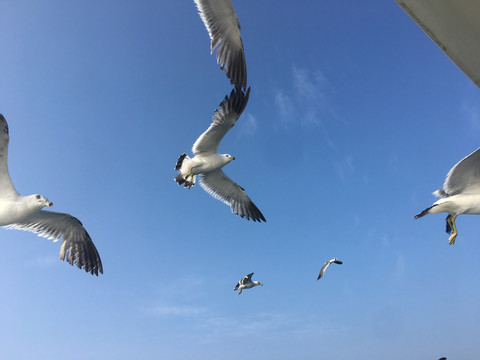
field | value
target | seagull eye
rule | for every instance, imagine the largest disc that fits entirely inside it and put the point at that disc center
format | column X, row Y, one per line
column 37, row 196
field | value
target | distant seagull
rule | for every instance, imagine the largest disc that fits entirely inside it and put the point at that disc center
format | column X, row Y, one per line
column 327, row 264
column 224, row 29
column 25, row 213
column 246, row 283
column 207, row 162
column 460, row 193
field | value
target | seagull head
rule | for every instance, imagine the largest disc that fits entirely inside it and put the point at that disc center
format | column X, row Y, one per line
column 229, row 157
column 41, row 201
column 258, row 283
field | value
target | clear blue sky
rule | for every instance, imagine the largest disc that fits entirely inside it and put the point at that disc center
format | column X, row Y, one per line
column 354, row 119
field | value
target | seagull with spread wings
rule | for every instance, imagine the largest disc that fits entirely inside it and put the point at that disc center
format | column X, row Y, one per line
column 326, row 265
column 25, row 213
column 246, row 283
column 460, row 193
column 224, row 29
column 207, row 162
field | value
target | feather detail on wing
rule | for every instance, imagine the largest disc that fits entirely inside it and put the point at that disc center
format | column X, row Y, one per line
column 224, row 119
column 221, row 187
column 246, row 279
column 6, row 186
column 224, row 29
column 77, row 246
column 463, row 178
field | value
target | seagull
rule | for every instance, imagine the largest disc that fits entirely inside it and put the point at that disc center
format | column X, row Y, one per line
column 324, row 267
column 207, row 162
column 224, row 29
column 246, row 283
column 25, row 213
column 460, row 193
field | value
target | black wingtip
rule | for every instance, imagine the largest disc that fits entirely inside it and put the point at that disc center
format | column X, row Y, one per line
column 424, row 212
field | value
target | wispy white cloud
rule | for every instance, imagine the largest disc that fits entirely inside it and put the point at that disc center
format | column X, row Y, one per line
column 306, row 101
column 166, row 310
column 285, row 107
column 472, row 114
column 248, row 126
column 344, row 167
column 43, row 261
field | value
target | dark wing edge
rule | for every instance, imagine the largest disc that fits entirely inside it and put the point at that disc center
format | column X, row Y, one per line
column 224, row 30
column 221, row 187
column 224, row 118
column 77, row 246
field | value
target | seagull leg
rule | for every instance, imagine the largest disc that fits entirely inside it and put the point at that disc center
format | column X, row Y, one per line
column 189, row 183
column 451, row 239
column 240, row 291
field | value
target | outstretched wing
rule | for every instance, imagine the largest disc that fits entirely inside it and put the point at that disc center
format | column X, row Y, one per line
column 464, row 177
column 6, row 186
column 224, row 29
column 246, row 279
column 221, row 187
column 224, row 119
column 77, row 246
column 327, row 264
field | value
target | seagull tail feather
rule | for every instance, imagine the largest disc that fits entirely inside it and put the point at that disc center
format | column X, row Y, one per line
column 184, row 169
column 424, row 212
column 179, row 163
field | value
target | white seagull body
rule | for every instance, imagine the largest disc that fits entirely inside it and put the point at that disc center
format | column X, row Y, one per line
column 207, row 162
column 460, row 193
column 224, row 29
column 246, row 283
column 326, row 265
column 25, row 213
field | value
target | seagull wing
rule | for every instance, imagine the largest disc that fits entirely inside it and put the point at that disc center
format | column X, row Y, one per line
column 221, row 187
column 247, row 279
column 224, row 119
column 77, row 246
column 224, row 29
column 243, row 281
column 464, row 177
column 6, row 186
column 326, row 265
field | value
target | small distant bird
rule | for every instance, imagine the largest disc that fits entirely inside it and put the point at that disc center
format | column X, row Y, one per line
column 25, row 213
column 443, row 358
column 460, row 193
column 246, row 283
column 224, row 29
column 327, row 264
column 207, row 162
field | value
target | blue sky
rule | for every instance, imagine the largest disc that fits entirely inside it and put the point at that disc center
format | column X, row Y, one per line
column 354, row 119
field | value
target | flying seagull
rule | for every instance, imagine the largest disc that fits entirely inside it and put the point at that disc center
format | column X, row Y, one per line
column 460, row 193
column 25, row 213
column 207, row 162
column 224, row 29
column 324, row 267
column 246, row 283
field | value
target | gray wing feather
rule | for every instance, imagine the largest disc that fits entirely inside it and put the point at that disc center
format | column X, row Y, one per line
column 221, row 187
column 224, row 119
column 6, row 185
column 224, row 29
column 245, row 280
column 463, row 178
column 77, row 246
